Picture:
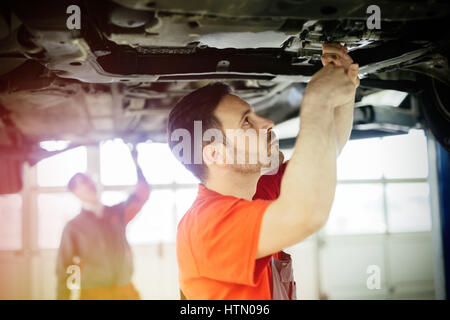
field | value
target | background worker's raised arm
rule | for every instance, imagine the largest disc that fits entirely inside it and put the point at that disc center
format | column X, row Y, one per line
column 309, row 183
column 141, row 193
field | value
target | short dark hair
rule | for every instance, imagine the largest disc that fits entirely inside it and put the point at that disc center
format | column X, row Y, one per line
column 199, row 105
column 73, row 181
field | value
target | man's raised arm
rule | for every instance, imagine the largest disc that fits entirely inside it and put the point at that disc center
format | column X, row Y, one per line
column 309, row 182
column 141, row 193
column 337, row 54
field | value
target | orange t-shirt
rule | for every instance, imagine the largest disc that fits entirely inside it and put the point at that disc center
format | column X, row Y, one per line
column 217, row 240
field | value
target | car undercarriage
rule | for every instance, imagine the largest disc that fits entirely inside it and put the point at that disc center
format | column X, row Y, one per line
column 129, row 62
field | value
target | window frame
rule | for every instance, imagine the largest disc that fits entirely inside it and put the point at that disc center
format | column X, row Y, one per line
column 93, row 169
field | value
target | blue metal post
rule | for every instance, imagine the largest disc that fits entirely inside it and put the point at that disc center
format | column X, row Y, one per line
column 443, row 166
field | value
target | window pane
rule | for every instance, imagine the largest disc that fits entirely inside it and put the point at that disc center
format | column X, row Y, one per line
column 405, row 156
column 54, row 211
column 360, row 159
column 116, row 164
column 408, row 207
column 156, row 222
column 157, row 162
column 57, row 170
column 357, row 208
column 111, row 198
column 384, row 98
column 54, row 145
column 10, row 222
column 288, row 128
column 184, row 200
column 183, row 175
column 161, row 167
column 287, row 153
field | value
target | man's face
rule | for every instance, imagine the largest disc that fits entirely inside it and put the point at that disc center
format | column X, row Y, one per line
column 251, row 144
column 85, row 189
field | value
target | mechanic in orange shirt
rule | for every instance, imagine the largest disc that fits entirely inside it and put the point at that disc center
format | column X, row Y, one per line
column 230, row 242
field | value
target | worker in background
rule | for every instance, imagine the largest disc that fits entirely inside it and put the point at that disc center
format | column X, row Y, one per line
column 230, row 242
column 95, row 241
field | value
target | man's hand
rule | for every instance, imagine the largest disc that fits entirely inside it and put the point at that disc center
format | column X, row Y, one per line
column 336, row 54
column 333, row 85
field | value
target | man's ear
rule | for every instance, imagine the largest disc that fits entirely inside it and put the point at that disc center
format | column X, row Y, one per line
column 213, row 154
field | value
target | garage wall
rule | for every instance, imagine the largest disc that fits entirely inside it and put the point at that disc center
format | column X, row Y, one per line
column 404, row 261
column 14, row 280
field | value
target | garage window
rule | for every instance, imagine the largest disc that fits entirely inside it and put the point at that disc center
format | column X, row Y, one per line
column 183, row 200
column 382, row 186
column 11, row 222
column 174, row 189
column 54, row 211
column 57, row 170
column 408, row 207
column 116, row 165
column 405, row 156
column 353, row 213
column 156, row 221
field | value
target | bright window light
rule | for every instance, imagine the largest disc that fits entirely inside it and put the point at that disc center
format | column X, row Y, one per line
column 54, row 145
column 288, row 128
column 58, row 169
column 357, row 209
column 156, row 221
column 184, row 199
column 360, row 159
column 384, row 98
column 54, row 211
column 111, row 198
column 11, row 222
column 287, row 153
column 116, row 164
column 408, row 207
column 161, row 167
column 405, row 156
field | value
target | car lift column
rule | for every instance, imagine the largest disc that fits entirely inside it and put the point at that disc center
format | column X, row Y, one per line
column 443, row 168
